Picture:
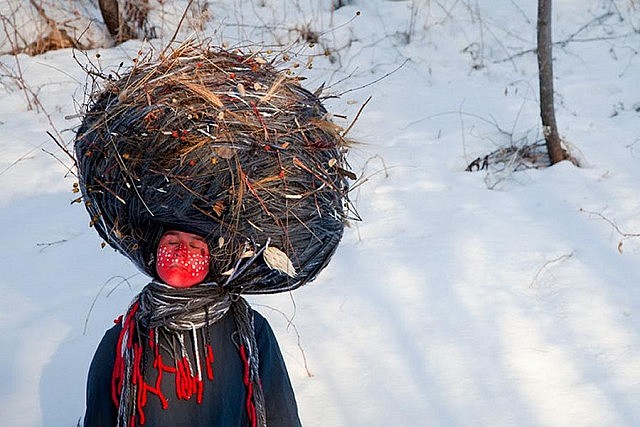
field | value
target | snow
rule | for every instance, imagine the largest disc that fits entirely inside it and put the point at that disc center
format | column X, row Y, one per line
column 463, row 298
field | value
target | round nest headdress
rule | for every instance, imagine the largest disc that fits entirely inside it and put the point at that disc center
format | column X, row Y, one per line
column 223, row 145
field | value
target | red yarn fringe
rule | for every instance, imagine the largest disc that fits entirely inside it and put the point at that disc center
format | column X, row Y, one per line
column 251, row 407
column 187, row 383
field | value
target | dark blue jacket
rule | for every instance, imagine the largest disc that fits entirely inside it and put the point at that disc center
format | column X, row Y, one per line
column 223, row 403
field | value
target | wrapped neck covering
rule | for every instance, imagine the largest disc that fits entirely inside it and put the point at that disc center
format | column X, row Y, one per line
column 161, row 314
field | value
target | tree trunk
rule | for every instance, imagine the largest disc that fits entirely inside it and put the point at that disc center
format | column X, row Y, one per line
column 545, row 74
column 112, row 18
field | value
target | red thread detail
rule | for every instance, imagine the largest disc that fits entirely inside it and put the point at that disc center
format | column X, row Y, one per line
column 187, row 378
column 141, row 396
column 152, row 341
column 187, row 382
column 254, row 106
column 117, row 377
column 199, row 390
column 160, row 368
column 209, row 362
column 251, row 408
column 178, row 379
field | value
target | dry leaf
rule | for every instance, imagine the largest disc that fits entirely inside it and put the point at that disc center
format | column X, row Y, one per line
column 347, row 173
column 225, row 152
column 201, row 91
column 278, row 260
column 218, row 207
column 247, row 254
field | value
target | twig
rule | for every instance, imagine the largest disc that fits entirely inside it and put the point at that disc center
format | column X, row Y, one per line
column 376, row 80
column 597, row 19
column 546, row 264
column 61, row 146
column 24, row 157
column 344, row 134
column 621, row 233
column 460, row 113
column 365, row 178
column 611, row 223
column 70, row 171
column 175, row 34
column 571, row 39
column 19, row 79
column 104, row 285
column 46, row 245
column 295, row 330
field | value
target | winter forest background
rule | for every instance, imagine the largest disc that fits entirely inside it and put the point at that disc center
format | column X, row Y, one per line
column 507, row 295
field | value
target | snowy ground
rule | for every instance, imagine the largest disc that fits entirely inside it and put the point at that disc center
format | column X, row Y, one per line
column 462, row 299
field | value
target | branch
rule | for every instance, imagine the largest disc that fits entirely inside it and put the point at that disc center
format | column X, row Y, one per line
column 613, row 225
column 353, row 122
column 295, row 330
column 175, row 34
column 104, row 285
column 571, row 39
column 546, row 264
column 376, row 80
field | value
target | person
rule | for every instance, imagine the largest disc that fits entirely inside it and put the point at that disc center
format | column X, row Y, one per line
column 187, row 353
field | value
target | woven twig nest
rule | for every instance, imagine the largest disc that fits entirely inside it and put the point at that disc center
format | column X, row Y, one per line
column 223, row 145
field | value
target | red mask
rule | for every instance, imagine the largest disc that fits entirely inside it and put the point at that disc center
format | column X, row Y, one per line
column 182, row 259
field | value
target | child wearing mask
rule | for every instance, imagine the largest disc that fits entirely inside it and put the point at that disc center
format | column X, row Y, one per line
column 178, row 357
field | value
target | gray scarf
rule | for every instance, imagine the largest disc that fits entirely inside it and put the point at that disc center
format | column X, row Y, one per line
column 173, row 315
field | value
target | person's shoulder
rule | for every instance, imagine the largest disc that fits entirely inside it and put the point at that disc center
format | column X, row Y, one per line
column 111, row 335
column 115, row 329
column 262, row 327
column 259, row 321
column 258, row 318
column 104, row 356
